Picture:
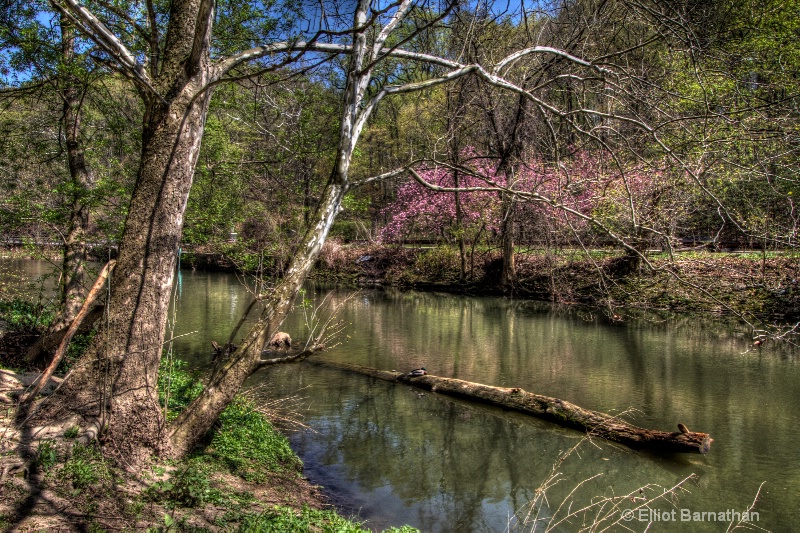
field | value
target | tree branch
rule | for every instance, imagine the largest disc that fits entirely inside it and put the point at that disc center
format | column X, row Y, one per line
column 95, row 30
column 290, row 358
column 201, row 27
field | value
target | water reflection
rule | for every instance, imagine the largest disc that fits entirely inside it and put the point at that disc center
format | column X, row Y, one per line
column 397, row 456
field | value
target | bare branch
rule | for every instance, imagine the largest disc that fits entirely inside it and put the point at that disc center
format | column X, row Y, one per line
column 294, row 358
column 405, row 5
column 546, row 50
column 95, row 30
column 386, row 175
column 108, row 40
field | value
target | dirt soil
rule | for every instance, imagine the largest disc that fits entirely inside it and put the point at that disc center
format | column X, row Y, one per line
column 36, row 493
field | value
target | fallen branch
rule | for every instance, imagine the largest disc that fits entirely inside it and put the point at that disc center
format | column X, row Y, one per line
column 547, row 408
column 48, row 343
column 294, row 358
column 62, row 347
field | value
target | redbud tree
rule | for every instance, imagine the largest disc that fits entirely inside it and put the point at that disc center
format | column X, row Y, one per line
column 586, row 194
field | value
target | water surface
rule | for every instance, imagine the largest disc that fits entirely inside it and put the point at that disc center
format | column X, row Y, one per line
column 395, row 455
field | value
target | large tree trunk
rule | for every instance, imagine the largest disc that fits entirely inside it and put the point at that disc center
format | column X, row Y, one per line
column 115, row 381
column 555, row 410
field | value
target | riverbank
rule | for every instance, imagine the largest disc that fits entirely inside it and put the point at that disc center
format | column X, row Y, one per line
column 750, row 284
column 244, row 477
column 756, row 286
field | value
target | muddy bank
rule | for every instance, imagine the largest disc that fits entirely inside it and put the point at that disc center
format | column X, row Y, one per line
column 749, row 283
column 760, row 286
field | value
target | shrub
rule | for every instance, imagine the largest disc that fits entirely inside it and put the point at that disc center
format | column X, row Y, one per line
column 438, row 264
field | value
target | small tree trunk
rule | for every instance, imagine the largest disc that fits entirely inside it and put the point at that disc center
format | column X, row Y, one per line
column 462, row 252
column 82, row 178
column 508, row 275
column 230, row 373
column 71, row 330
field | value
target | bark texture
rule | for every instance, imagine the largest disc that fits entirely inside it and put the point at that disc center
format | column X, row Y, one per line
column 552, row 409
column 116, row 380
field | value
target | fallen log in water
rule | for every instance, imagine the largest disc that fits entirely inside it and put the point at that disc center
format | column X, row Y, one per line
column 552, row 409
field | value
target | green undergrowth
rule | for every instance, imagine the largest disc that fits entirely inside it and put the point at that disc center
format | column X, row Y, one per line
column 245, row 445
column 20, row 314
column 244, row 442
column 286, row 519
column 21, row 323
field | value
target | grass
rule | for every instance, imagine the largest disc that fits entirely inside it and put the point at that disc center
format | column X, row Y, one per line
column 280, row 519
column 244, row 478
column 245, row 446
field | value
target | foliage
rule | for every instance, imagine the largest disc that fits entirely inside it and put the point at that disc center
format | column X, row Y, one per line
column 575, row 188
column 215, row 205
column 86, row 467
column 279, row 519
column 249, row 445
column 189, row 486
column 46, row 455
column 440, row 263
column 23, row 315
column 419, row 212
column 176, row 387
column 77, row 346
column 36, row 196
column 244, row 442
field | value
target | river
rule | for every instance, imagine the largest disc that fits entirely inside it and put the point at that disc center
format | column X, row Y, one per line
column 393, row 455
